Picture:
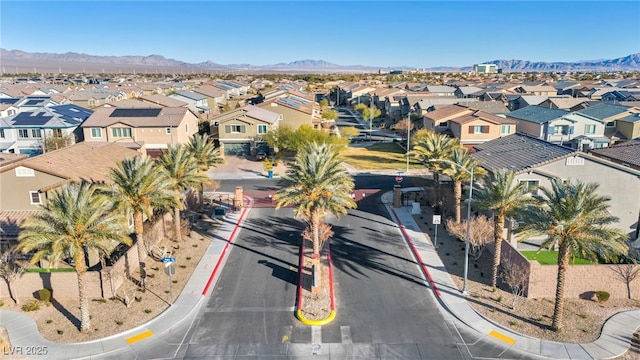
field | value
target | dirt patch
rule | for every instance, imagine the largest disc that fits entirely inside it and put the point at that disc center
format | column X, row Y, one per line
column 315, row 306
column 59, row 320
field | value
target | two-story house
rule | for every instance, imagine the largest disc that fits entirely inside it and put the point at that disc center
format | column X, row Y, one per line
column 295, row 110
column 216, row 98
column 27, row 131
column 148, row 130
column 480, row 126
column 238, row 131
column 612, row 115
column 536, row 162
column 561, row 126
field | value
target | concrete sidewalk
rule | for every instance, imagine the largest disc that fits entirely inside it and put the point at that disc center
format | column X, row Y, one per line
column 24, row 335
column 614, row 340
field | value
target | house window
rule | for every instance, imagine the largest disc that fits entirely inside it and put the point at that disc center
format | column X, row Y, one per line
column 561, row 130
column 35, row 198
column 531, row 186
column 22, row 171
column 96, row 132
column 1, row 133
column 505, row 129
column 167, row 131
column 478, row 129
column 121, row 132
column 11, row 112
column 611, row 124
column 23, row 133
column 35, row 133
column 443, row 124
column 262, row 129
column 589, row 129
column 234, row 129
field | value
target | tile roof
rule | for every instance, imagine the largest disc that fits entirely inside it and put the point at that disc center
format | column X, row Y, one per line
column 189, row 95
column 482, row 115
column 627, row 153
column 168, row 116
column 261, row 114
column 537, row 114
column 518, row 152
column 631, row 118
column 162, row 100
column 9, row 158
column 447, row 111
column 10, row 222
column 604, row 110
column 85, row 161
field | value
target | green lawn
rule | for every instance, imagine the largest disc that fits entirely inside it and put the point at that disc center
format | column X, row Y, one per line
column 551, row 258
column 381, row 156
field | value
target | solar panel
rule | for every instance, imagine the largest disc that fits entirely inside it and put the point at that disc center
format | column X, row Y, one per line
column 32, row 102
column 299, row 99
column 27, row 119
column 289, row 102
column 147, row 112
column 8, row 100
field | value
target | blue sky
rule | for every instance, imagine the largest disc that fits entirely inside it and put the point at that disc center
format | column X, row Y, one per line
column 419, row 34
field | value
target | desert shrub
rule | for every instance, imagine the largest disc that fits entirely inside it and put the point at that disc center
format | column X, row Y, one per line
column 32, row 305
column 60, row 332
column 100, row 300
column 45, row 295
column 147, row 311
column 1, row 303
column 119, row 322
column 602, row 296
column 49, row 321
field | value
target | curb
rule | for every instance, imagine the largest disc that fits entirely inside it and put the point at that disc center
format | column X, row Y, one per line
column 298, row 311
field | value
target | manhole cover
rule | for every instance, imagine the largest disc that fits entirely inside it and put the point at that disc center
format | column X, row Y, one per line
column 315, row 349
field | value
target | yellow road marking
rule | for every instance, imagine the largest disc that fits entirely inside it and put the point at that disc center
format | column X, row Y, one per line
column 285, row 339
column 502, row 337
column 139, row 337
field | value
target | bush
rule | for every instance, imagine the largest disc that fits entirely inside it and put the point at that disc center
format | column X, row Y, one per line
column 45, row 295
column 60, row 332
column 32, row 305
column 147, row 311
column 602, row 296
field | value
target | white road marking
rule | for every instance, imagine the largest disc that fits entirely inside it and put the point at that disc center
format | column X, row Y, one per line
column 345, row 334
column 316, row 335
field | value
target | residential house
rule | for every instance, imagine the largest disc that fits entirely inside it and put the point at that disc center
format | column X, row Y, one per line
column 295, row 111
column 629, row 127
column 536, row 162
column 626, row 154
column 28, row 183
column 216, row 98
column 438, row 120
column 148, row 130
column 480, row 126
column 440, row 90
column 540, row 90
column 197, row 103
column 622, row 95
column 238, row 131
column 464, row 92
column 522, row 101
column 610, row 114
column 561, row 126
column 7, row 107
column 159, row 100
column 27, row 131
column 565, row 103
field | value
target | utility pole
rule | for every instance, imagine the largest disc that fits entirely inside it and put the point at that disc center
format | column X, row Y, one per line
column 371, row 117
column 408, row 137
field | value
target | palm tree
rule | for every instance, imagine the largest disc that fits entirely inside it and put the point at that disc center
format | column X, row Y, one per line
column 141, row 187
column 206, row 155
column 503, row 197
column 316, row 183
column 76, row 219
column 576, row 221
column 183, row 172
column 459, row 170
column 431, row 146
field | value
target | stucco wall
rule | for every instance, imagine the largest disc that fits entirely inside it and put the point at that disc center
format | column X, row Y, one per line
column 14, row 192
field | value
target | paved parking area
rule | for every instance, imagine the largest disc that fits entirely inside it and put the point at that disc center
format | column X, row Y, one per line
column 240, row 167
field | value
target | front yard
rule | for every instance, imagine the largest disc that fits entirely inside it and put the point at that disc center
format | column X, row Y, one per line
column 380, row 156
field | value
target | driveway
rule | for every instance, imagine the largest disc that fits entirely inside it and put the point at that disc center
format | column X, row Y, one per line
column 240, row 167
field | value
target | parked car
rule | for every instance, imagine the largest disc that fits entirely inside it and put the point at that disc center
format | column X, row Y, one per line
column 359, row 138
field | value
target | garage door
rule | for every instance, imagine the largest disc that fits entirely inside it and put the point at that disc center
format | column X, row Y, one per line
column 237, row 149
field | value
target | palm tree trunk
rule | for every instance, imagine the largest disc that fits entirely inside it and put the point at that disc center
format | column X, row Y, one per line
column 457, row 195
column 558, row 310
column 315, row 228
column 176, row 223
column 498, row 230
column 14, row 295
column 81, row 271
column 139, row 229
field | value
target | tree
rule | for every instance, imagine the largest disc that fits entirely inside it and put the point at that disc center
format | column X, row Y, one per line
column 10, row 269
column 365, row 111
column 140, row 187
column 503, row 197
column 75, row 220
column 316, row 183
column 576, row 220
column 461, row 172
column 56, row 142
column 515, row 276
column 432, row 147
column 183, row 172
column 329, row 114
column 480, row 233
column 627, row 273
column 206, row 154
column 324, row 103
column 349, row 131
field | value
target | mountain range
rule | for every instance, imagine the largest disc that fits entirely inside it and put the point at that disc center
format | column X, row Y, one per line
column 24, row 62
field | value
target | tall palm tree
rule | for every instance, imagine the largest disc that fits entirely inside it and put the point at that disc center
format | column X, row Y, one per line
column 206, row 155
column 76, row 219
column 576, row 220
column 431, row 146
column 503, row 197
column 140, row 187
column 459, row 170
column 183, row 172
column 316, row 183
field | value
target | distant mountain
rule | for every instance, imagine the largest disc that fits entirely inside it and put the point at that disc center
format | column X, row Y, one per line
column 23, row 62
column 631, row 62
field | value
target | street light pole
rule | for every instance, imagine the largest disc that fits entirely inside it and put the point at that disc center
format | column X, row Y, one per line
column 370, row 117
column 467, row 237
column 408, row 137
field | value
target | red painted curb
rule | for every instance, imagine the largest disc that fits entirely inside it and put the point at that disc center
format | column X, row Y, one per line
column 333, row 306
column 224, row 250
column 300, row 277
column 416, row 254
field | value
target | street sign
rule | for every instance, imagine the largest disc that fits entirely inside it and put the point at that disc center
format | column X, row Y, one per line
column 436, row 219
column 168, row 259
column 398, row 179
column 170, row 270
